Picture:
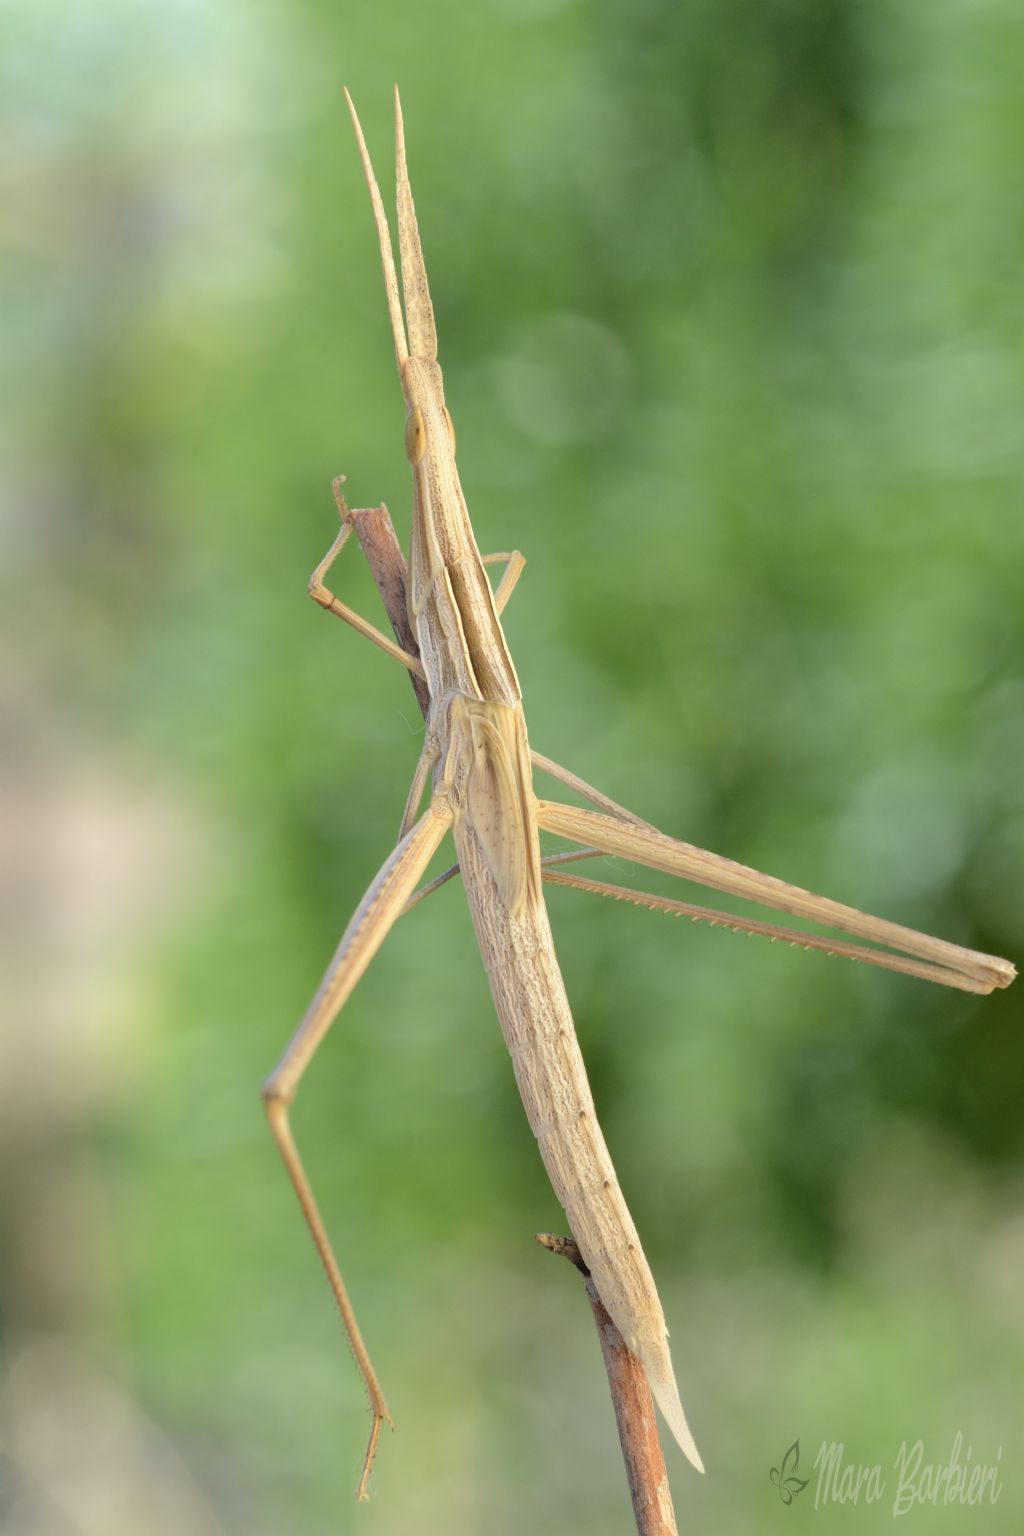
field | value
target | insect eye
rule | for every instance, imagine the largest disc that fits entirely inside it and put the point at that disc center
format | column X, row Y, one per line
column 415, row 436
column 451, row 427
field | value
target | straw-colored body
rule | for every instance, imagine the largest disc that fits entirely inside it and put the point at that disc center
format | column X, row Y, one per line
column 477, row 755
column 530, row 999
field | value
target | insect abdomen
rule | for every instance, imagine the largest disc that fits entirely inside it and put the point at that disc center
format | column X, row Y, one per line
column 533, row 1010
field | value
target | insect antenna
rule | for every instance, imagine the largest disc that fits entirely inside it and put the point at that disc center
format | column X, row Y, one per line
column 387, row 256
column 419, row 311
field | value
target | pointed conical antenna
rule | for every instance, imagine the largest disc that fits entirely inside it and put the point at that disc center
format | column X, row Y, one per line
column 419, row 311
column 384, row 236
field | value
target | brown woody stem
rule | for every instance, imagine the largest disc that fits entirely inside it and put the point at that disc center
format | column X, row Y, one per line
column 634, row 1409
column 376, row 534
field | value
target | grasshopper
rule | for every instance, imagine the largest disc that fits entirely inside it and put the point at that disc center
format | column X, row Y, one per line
column 478, row 760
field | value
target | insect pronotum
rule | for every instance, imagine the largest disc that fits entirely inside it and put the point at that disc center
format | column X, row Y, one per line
column 479, row 765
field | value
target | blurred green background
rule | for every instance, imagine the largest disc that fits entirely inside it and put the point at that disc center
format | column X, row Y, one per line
column 728, row 298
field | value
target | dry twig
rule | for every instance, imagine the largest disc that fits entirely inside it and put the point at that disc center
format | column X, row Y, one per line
column 634, row 1409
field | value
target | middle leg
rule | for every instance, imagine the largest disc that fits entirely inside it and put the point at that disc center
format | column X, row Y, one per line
column 364, row 935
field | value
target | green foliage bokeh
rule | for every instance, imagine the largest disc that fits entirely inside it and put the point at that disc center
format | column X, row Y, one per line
column 729, row 315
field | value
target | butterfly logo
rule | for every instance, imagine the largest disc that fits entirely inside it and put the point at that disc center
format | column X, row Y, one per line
column 783, row 1477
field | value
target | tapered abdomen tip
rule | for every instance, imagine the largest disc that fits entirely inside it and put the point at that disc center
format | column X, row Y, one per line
column 666, row 1394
